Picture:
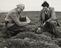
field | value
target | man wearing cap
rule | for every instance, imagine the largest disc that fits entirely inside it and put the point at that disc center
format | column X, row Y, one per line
column 48, row 18
column 13, row 18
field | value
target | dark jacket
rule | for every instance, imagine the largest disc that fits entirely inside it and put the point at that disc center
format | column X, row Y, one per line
column 50, row 15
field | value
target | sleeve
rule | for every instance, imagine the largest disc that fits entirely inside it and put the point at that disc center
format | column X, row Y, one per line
column 17, row 21
column 53, row 14
column 41, row 17
column 7, row 16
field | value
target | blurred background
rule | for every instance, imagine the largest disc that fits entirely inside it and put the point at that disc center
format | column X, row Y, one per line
column 30, row 5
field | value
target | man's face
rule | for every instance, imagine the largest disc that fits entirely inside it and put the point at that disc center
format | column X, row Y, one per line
column 19, row 9
column 45, row 8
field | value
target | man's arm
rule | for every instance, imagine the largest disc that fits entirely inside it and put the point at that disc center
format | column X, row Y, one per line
column 53, row 15
column 17, row 21
column 41, row 18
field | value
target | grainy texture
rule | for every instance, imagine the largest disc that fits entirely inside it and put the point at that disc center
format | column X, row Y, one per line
column 29, row 39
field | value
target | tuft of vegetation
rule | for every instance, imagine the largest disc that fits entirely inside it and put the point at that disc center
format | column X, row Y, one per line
column 29, row 38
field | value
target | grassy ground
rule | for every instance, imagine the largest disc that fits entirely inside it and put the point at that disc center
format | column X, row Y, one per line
column 29, row 39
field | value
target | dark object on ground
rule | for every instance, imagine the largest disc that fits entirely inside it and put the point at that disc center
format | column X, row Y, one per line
column 22, row 19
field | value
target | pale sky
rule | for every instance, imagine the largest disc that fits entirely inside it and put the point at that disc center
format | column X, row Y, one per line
column 30, row 5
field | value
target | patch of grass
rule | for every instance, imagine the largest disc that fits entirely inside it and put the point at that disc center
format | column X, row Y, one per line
column 29, row 39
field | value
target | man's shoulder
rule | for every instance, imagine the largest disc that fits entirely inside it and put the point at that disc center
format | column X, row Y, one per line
column 51, row 8
column 41, row 10
column 12, row 11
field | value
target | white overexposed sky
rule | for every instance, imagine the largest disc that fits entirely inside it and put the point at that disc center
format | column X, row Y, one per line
column 30, row 5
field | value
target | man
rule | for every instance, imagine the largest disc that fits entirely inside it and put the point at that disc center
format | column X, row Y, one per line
column 48, row 19
column 13, row 23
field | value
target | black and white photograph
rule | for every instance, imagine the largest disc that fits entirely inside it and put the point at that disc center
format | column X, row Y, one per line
column 30, row 23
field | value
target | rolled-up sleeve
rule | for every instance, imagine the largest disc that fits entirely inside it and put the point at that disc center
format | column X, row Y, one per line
column 17, row 21
column 54, row 17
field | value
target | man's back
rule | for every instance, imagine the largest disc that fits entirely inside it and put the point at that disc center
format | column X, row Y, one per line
column 12, row 13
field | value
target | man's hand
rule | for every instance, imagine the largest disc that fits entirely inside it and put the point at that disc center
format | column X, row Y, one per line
column 28, row 20
column 44, row 23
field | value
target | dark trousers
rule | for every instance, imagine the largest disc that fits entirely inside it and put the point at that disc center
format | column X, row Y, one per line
column 51, row 28
column 13, row 30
